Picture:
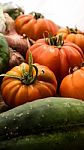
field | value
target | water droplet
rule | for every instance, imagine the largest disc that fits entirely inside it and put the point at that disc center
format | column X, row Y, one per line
column 20, row 115
column 67, row 105
column 2, row 115
column 14, row 119
column 43, row 134
column 5, row 127
column 31, row 107
column 6, row 117
column 27, row 113
column 8, row 137
column 42, row 116
column 74, row 136
column 17, row 128
column 14, row 114
column 27, row 139
column 48, row 105
column 39, row 124
column 6, row 134
column 11, row 133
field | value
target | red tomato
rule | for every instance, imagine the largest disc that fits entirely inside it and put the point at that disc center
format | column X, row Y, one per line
column 57, row 57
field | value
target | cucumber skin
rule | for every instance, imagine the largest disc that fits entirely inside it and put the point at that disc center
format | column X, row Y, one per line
column 47, row 115
column 55, row 141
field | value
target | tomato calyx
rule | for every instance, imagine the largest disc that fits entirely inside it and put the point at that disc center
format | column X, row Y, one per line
column 55, row 40
column 72, row 30
column 27, row 77
column 37, row 15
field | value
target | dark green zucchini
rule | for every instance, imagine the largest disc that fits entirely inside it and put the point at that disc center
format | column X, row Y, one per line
column 54, row 119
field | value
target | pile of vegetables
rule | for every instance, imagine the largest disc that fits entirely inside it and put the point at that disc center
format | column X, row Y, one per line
column 41, row 82
column 38, row 49
column 38, row 42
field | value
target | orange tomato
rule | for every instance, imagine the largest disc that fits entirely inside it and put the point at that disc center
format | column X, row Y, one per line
column 74, row 35
column 18, row 87
column 34, row 25
column 73, row 85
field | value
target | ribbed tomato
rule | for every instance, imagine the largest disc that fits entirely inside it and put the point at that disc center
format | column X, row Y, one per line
column 20, row 85
column 73, row 84
column 34, row 25
column 56, row 54
column 74, row 35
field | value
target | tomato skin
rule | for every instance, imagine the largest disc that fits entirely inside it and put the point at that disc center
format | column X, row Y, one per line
column 57, row 59
column 15, row 93
column 74, row 83
column 77, row 38
column 35, row 28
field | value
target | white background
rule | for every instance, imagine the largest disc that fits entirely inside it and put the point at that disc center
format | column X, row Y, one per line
column 63, row 12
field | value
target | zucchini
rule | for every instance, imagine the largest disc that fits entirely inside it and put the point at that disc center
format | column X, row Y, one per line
column 54, row 120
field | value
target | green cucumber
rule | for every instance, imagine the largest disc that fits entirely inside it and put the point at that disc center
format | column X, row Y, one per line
column 73, row 140
column 43, row 116
column 4, row 53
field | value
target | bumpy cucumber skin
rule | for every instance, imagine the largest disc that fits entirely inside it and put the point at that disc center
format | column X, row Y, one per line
column 73, row 140
column 4, row 54
column 53, row 114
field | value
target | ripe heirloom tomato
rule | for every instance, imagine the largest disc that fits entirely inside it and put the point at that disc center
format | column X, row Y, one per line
column 56, row 54
column 73, row 84
column 21, row 85
column 34, row 25
column 74, row 35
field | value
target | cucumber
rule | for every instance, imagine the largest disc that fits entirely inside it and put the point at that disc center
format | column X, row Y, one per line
column 44, row 116
column 70, row 140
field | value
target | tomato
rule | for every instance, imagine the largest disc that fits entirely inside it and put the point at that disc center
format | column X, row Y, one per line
column 57, row 55
column 73, row 84
column 20, row 85
column 74, row 35
column 35, row 25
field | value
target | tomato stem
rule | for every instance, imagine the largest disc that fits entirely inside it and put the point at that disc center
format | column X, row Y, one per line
column 55, row 40
column 27, row 77
column 9, row 75
column 72, row 30
column 37, row 15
